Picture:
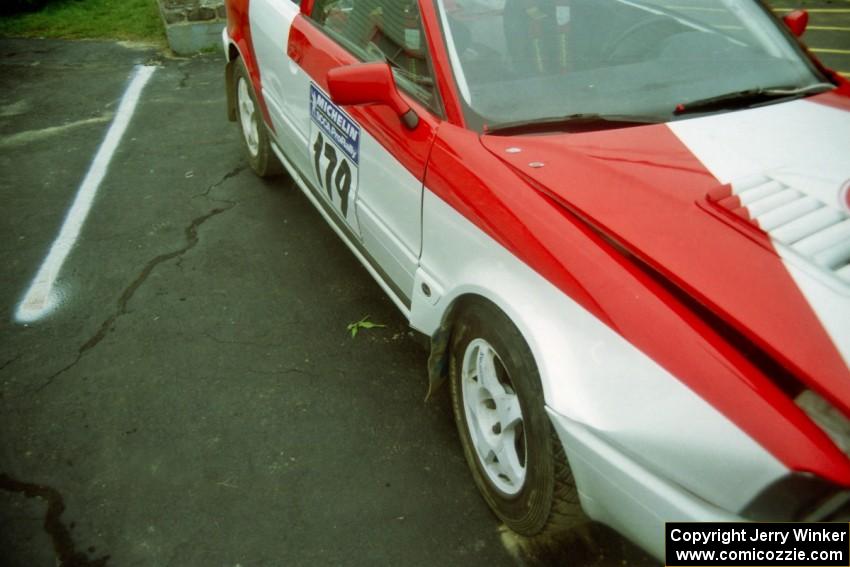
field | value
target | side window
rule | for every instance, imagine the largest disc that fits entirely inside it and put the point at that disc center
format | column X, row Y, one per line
column 383, row 30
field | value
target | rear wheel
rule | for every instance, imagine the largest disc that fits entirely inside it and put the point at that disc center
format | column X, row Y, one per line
column 516, row 459
column 255, row 137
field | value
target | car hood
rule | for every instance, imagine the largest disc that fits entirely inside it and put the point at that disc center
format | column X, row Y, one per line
column 747, row 212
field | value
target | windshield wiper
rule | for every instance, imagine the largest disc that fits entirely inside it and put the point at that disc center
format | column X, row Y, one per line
column 749, row 97
column 572, row 123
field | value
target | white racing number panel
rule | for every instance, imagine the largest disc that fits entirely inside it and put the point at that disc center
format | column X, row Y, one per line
column 335, row 149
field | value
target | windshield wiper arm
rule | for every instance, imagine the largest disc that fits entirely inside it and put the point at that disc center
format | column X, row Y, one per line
column 571, row 123
column 749, row 97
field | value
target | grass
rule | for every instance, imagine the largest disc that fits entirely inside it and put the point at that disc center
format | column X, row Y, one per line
column 131, row 20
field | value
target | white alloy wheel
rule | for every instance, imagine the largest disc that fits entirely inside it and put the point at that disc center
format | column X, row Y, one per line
column 516, row 459
column 258, row 147
column 248, row 117
column 494, row 416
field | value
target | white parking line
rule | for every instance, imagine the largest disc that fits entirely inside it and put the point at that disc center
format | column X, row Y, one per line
column 41, row 296
column 829, row 28
column 38, row 135
column 816, row 10
column 827, row 50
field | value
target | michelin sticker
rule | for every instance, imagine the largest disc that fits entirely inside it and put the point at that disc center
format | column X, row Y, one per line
column 335, row 139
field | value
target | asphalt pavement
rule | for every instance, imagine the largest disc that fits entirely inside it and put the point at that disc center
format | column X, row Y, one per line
column 193, row 397
column 828, row 33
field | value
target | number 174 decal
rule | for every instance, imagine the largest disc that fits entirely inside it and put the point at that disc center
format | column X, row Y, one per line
column 335, row 139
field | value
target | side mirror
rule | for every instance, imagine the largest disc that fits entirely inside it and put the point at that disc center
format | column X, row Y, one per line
column 369, row 83
column 797, row 21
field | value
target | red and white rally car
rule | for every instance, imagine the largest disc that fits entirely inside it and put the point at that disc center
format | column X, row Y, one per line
column 625, row 226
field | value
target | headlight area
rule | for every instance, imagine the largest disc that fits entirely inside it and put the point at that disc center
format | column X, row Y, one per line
column 802, row 497
column 827, row 417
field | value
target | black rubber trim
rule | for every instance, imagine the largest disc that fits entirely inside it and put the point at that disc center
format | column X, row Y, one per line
column 790, row 499
column 410, row 119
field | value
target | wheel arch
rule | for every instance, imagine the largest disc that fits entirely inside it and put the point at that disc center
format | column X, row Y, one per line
column 233, row 57
column 450, row 307
column 438, row 359
column 238, row 50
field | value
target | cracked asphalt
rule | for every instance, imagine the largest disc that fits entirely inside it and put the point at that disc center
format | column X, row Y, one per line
column 195, row 398
column 177, row 397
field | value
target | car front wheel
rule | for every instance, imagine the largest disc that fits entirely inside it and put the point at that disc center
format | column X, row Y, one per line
column 516, row 459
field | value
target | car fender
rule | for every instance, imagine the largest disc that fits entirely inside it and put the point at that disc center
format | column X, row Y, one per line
column 231, row 54
column 239, row 46
column 589, row 373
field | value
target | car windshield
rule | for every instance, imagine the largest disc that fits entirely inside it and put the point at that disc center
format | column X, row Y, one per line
column 521, row 61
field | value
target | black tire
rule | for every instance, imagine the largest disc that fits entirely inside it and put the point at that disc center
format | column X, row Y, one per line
column 255, row 136
column 546, row 501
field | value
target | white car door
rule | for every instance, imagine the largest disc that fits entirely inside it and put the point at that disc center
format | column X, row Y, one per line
column 362, row 161
column 284, row 83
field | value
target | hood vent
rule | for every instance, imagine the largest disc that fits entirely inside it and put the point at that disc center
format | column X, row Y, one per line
column 799, row 222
